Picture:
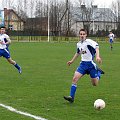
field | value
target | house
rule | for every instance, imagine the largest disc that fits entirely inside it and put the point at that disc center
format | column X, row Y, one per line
column 1, row 17
column 40, row 23
column 36, row 26
column 39, row 26
column 12, row 20
column 93, row 19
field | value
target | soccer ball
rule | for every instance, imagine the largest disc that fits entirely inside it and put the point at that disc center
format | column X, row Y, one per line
column 99, row 104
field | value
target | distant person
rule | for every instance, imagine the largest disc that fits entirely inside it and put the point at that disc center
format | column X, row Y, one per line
column 4, row 50
column 111, row 39
column 87, row 48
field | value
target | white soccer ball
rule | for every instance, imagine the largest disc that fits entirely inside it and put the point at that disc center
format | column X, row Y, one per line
column 99, row 104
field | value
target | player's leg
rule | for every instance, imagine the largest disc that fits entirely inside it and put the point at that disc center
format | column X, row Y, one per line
column 75, row 79
column 81, row 70
column 1, row 53
column 94, row 81
column 15, row 64
column 95, row 74
column 6, row 54
column 111, row 46
column 73, row 88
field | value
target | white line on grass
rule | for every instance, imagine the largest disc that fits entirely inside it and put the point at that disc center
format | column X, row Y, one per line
column 22, row 113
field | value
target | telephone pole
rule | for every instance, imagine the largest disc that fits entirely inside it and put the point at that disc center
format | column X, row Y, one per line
column 68, row 17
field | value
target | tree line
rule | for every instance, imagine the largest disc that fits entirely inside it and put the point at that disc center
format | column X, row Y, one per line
column 60, row 17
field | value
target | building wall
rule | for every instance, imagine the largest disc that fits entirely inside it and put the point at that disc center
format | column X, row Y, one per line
column 12, row 20
column 97, row 26
column 103, row 26
column 76, row 27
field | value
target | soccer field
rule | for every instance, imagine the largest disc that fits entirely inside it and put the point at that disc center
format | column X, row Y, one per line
column 46, row 78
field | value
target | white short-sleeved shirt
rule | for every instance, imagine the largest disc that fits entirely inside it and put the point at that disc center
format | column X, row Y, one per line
column 111, row 36
column 4, row 38
column 87, row 49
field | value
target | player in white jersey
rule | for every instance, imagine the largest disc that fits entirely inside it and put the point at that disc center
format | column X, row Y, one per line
column 88, row 49
column 111, row 39
column 4, row 50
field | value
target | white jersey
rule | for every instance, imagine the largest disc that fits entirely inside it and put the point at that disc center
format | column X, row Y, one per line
column 111, row 36
column 87, row 49
column 4, row 38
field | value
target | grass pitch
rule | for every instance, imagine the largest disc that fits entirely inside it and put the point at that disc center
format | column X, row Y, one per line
column 46, row 78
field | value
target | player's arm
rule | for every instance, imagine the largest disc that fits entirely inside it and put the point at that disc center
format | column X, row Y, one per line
column 98, row 59
column 8, row 41
column 114, row 38
column 1, row 41
column 74, row 57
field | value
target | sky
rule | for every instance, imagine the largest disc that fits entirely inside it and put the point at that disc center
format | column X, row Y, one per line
column 103, row 3
column 100, row 3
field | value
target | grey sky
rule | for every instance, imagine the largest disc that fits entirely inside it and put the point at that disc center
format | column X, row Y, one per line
column 103, row 3
column 100, row 3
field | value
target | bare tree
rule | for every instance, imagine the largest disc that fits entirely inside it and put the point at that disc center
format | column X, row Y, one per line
column 86, row 13
column 39, row 9
column 64, row 18
column 116, row 10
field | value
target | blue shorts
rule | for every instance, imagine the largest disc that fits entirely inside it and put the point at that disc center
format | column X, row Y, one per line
column 111, row 40
column 5, row 53
column 88, row 67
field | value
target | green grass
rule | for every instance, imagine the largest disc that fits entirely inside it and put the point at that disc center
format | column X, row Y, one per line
column 46, row 78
